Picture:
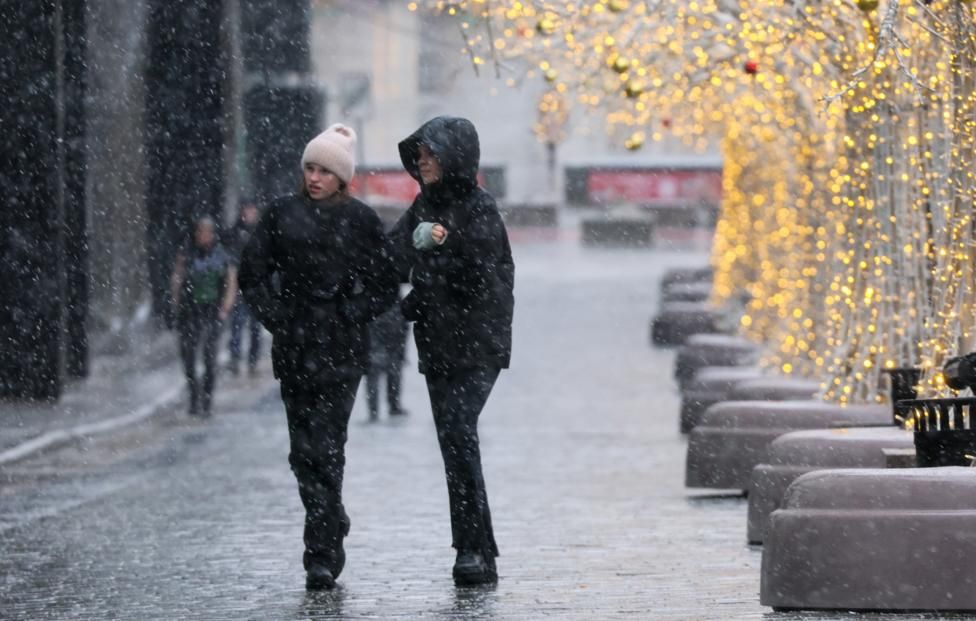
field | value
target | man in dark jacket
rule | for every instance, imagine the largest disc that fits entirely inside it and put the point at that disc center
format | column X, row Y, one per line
column 387, row 350
column 203, row 289
column 241, row 316
column 453, row 244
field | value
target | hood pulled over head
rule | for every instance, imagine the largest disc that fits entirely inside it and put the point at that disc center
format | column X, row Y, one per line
column 454, row 142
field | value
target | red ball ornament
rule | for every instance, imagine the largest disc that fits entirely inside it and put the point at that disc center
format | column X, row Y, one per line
column 751, row 67
column 666, row 123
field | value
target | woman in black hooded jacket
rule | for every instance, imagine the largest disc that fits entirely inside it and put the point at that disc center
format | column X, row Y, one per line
column 453, row 245
column 316, row 271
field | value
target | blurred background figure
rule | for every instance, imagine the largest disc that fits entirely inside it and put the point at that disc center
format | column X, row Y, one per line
column 204, row 287
column 241, row 316
column 387, row 351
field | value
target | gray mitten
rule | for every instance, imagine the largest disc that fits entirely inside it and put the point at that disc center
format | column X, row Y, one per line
column 423, row 238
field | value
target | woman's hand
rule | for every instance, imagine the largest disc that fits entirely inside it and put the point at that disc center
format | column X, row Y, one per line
column 438, row 234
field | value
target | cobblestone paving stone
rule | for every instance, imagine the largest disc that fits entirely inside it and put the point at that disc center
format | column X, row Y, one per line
column 584, row 464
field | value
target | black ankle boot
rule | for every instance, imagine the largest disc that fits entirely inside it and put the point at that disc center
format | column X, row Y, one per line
column 194, row 405
column 206, row 404
column 471, row 569
column 340, row 556
column 319, row 578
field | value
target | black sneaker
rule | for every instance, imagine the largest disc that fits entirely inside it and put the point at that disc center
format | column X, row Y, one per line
column 398, row 412
column 319, row 578
column 471, row 569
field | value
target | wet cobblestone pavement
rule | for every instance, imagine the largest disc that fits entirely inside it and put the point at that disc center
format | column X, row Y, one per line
column 584, row 464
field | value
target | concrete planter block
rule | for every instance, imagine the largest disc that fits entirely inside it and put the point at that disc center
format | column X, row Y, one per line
column 530, row 214
column 686, row 275
column 871, row 539
column 776, row 388
column 712, row 350
column 687, row 292
column 682, row 216
column 676, row 321
column 733, row 437
column 901, row 458
column 797, row 453
column 618, row 231
column 709, row 386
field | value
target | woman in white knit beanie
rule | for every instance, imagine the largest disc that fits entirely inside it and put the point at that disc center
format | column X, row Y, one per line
column 316, row 271
column 329, row 162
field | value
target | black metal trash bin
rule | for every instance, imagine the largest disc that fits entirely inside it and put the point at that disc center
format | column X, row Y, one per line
column 945, row 430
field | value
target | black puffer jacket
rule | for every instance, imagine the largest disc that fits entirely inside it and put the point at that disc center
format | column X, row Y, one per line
column 315, row 273
column 462, row 298
column 237, row 237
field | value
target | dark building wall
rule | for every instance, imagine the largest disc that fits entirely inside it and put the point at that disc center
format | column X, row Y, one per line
column 31, row 222
column 282, row 106
column 186, row 82
column 121, row 120
column 74, row 44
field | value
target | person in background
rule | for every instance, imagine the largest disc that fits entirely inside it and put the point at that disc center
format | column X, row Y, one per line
column 241, row 316
column 334, row 273
column 453, row 245
column 387, row 348
column 203, row 287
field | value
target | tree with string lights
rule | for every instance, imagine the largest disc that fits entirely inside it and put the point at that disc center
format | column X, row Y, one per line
column 846, row 130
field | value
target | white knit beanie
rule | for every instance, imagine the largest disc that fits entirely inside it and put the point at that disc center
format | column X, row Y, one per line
column 335, row 150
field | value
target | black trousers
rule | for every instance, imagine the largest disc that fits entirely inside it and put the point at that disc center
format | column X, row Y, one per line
column 393, row 373
column 457, row 399
column 200, row 328
column 318, row 418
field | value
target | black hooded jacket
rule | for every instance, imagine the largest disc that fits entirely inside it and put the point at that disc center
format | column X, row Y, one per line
column 462, row 298
column 315, row 273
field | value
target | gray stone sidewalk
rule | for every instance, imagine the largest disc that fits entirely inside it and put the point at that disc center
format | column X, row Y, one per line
column 584, row 466
column 119, row 386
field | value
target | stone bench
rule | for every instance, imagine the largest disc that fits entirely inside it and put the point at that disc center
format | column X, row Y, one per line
column 686, row 275
column 799, row 452
column 712, row 350
column 682, row 216
column 618, row 231
column 530, row 214
column 709, row 386
column 775, row 388
column 733, row 436
column 872, row 539
column 675, row 322
column 760, row 388
column 687, row 292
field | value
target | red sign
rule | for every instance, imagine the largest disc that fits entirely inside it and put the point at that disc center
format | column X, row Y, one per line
column 654, row 186
column 386, row 187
